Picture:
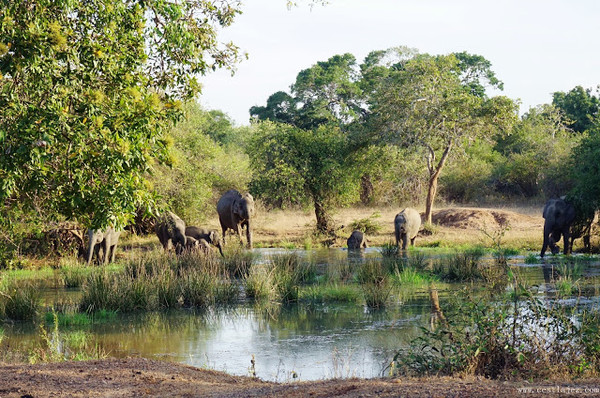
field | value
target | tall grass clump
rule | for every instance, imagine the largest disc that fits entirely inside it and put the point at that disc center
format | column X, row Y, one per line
column 288, row 273
column 459, row 267
column 279, row 278
column 568, row 276
column 374, row 281
column 237, row 261
column 19, row 300
column 330, row 293
column 259, row 283
column 72, row 273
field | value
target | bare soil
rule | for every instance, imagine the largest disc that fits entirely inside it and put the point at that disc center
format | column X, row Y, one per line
column 137, row 377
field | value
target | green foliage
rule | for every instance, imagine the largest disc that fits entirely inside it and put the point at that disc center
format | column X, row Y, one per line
column 326, row 93
column 295, row 166
column 585, row 170
column 539, row 139
column 19, row 301
column 506, row 337
column 367, row 225
column 198, row 175
column 468, row 178
column 87, row 92
column 374, row 280
column 426, row 102
column 579, row 107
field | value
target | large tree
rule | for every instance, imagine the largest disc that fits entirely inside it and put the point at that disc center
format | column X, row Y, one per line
column 87, row 91
column 437, row 103
column 293, row 165
column 580, row 107
column 326, row 93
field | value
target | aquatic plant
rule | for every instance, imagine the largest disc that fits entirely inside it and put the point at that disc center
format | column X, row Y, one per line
column 506, row 336
column 20, row 300
column 374, row 281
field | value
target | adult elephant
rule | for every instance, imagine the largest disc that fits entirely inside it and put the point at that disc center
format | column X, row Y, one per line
column 357, row 240
column 170, row 230
column 106, row 240
column 235, row 211
column 210, row 236
column 559, row 216
column 406, row 227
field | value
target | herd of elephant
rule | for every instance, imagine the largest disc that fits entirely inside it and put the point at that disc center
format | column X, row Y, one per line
column 236, row 210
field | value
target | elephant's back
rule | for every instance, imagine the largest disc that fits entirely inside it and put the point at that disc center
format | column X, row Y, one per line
column 224, row 203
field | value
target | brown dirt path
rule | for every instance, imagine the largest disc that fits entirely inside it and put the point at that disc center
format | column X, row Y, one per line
column 137, row 377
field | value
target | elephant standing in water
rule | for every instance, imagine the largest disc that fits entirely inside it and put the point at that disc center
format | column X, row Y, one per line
column 357, row 241
column 170, row 230
column 406, row 226
column 106, row 240
column 235, row 212
column 559, row 216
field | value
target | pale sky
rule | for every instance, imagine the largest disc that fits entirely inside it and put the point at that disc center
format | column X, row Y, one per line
column 536, row 47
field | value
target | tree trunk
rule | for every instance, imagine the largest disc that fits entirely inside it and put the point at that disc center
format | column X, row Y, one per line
column 434, row 175
column 324, row 222
column 366, row 189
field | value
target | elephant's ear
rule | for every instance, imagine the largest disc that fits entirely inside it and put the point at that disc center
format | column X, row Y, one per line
column 237, row 207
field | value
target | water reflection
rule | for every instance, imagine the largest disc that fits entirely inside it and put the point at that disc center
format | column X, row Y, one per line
column 310, row 341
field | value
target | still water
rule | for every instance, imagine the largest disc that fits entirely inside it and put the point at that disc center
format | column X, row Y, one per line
column 304, row 342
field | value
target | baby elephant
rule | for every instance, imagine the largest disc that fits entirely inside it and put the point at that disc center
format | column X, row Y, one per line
column 406, row 226
column 357, row 241
column 205, row 237
column 192, row 244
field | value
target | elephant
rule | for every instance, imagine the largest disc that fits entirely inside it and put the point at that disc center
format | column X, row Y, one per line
column 406, row 226
column 170, row 230
column 357, row 240
column 235, row 212
column 106, row 240
column 559, row 216
column 192, row 245
column 208, row 236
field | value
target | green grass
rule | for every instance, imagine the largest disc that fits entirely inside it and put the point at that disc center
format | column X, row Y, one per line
column 330, row 293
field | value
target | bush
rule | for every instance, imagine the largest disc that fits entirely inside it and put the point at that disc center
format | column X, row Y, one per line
column 515, row 335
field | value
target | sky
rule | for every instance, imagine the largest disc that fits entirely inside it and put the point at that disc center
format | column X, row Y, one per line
column 536, row 47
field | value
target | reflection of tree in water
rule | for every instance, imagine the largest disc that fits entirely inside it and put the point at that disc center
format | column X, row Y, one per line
column 155, row 333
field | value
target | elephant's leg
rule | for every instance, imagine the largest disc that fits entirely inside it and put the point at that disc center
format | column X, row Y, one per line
column 397, row 235
column 239, row 232
column 113, row 249
column 412, row 241
column 566, row 239
column 404, row 241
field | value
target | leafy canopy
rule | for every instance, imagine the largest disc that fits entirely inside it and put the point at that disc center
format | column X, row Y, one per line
column 87, row 90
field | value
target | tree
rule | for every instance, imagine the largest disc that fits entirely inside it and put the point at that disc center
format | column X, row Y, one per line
column 202, row 167
column 427, row 102
column 579, row 106
column 87, row 91
column 292, row 165
column 326, row 93
column 534, row 155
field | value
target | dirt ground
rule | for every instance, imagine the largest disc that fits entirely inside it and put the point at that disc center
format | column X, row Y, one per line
column 136, row 377
column 465, row 225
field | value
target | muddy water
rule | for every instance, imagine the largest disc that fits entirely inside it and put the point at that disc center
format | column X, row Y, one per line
column 304, row 342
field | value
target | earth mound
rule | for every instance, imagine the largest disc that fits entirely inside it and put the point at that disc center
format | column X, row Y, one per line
column 484, row 219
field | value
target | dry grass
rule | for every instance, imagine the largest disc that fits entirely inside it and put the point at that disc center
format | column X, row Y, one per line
column 454, row 226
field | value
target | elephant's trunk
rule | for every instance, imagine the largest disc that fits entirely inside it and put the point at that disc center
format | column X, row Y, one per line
column 249, row 234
